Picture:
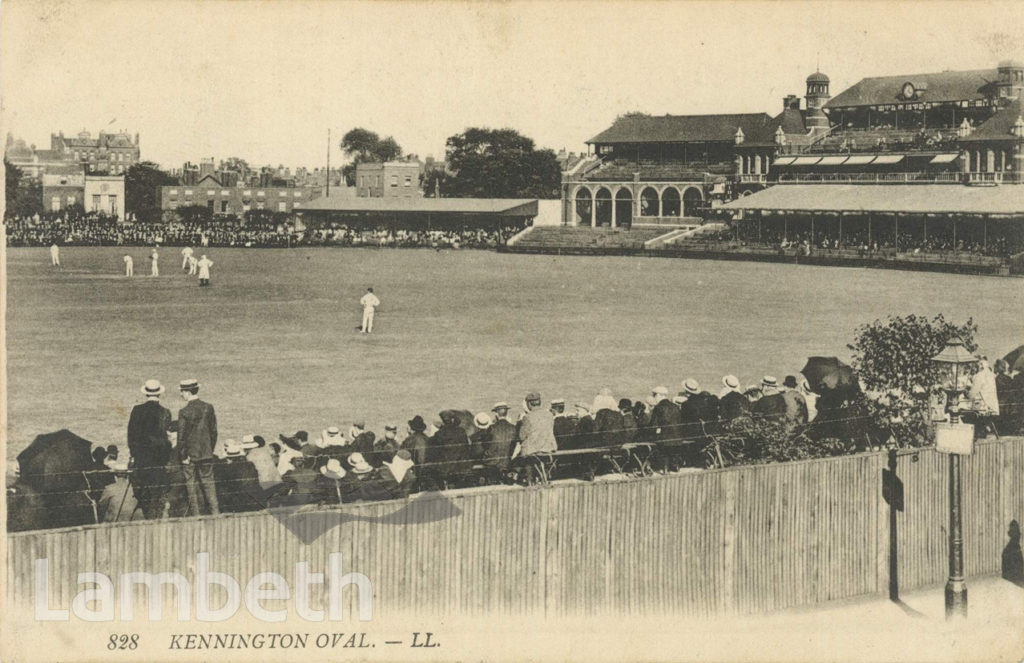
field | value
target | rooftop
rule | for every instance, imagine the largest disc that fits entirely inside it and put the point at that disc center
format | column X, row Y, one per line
column 495, row 206
column 920, row 198
column 638, row 128
column 934, row 87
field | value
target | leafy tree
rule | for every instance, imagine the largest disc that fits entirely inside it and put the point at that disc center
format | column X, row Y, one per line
column 361, row 146
column 434, row 183
column 893, row 360
column 142, row 184
column 23, row 195
column 500, row 163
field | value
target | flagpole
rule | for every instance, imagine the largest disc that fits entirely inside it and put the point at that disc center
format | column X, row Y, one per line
column 328, row 162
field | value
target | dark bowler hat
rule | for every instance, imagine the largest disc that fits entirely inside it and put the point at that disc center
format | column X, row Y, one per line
column 789, row 382
column 417, row 424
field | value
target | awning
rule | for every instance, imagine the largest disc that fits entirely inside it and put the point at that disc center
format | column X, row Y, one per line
column 944, row 158
column 859, row 160
column 784, row 161
column 831, row 161
column 889, row 158
column 806, row 161
column 913, row 199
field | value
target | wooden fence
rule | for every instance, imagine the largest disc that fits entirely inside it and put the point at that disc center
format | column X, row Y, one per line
column 736, row 541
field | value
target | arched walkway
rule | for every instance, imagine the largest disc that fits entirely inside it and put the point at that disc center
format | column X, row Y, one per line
column 603, row 207
column 692, row 200
column 584, row 206
column 623, row 208
column 649, row 203
column 670, row 202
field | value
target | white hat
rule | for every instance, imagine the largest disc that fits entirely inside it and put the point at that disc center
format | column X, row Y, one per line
column 482, row 420
column 680, row 398
column 232, row 448
column 731, row 381
column 769, row 381
column 660, row 391
column 333, row 469
column 691, row 386
column 188, row 383
column 152, row 388
column 359, row 464
column 500, row 405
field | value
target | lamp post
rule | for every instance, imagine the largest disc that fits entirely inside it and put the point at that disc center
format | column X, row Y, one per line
column 950, row 359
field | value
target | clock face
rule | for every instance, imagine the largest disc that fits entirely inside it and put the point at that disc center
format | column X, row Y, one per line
column 908, row 90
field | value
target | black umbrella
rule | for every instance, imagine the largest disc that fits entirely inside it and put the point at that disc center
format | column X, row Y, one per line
column 1015, row 359
column 54, row 462
column 828, row 373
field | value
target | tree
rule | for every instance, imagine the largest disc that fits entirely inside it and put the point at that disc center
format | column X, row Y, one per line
column 434, row 182
column 363, row 146
column 142, row 184
column 893, row 360
column 23, row 195
column 500, row 163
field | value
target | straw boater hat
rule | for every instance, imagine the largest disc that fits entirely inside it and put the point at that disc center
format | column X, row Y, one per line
column 769, row 381
column 332, row 469
column 152, row 388
column 482, row 420
column 660, row 391
column 331, row 435
column 232, row 449
column 391, row 427
column 500, row 405
column 680, row 398
column 400, row 464
column 359, row 464
column 691, row 386
column 189, row 383
column 731, row 382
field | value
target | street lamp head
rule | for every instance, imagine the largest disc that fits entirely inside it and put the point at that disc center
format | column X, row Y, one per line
column 949, row 361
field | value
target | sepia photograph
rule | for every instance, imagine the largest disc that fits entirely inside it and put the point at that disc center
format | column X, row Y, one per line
column 512, row 331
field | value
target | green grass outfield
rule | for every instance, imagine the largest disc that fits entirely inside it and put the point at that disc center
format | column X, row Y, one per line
column 273, row 341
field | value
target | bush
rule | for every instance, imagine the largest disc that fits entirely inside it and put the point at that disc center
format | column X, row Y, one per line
column 893, row 360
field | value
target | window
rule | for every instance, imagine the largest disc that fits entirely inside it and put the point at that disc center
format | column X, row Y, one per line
column 282, row 194
column 261, row 194
column 224, row 193
column 173, row 192
column 55, row 204
column 378, row 180
column 297, row 194
column 247, row 193
column 282, row 207
column 408, row 180
column 95, row 203
column 113, row 205
column 188, row 192
column 246, row 207
column 223, row 207
column 394, row 180
column 210, row 192
column 71, row 200
column 260, row 205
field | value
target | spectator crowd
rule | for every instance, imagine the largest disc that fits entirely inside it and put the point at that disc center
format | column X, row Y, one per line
column 179, row 467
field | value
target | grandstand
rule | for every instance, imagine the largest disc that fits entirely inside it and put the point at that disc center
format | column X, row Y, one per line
column 584, row 240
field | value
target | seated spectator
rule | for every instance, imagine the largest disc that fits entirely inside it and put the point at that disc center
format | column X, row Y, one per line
column 536, row 430
column 796, row 404
column 771, row 404
column 450, row 443
column 629, row 426
column 117, row 503
column 732, row 403
column 564, row 425
column 238, row 485
column 262, row 458
column 416, row 442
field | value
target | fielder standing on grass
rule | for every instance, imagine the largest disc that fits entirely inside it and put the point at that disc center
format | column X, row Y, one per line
column 154, row 263
column 129, row 267
column 55, row 255
column 186, row 257
column 369, row 302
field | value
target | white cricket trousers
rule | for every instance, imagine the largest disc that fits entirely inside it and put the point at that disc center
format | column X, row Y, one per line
column 367, row 320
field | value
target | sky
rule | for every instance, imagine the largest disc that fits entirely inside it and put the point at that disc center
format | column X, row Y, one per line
column 266, row 80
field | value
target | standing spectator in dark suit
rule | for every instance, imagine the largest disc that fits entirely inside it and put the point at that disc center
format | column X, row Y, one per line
column 796, row 404
column 699, row 416
column 564, row 425
column 238, row 483
column 417, row 443
column 450, row 442
column 608, row 427
column 197, row 435
column 629, row 427
column 150, row 450
column 771, row 405
column 503, row 441
column 664, row 422
column 1008, row 399
column 584, row 436
column 732, row 404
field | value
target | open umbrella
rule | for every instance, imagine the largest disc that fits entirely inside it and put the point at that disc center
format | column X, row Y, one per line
column 54, row 462
column 52, row 466
column 1015, row 359
column 828, row 373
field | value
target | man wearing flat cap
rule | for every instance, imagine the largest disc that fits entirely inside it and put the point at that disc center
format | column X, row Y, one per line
column 537, row 428
column 150, row 449
column 197, row 436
